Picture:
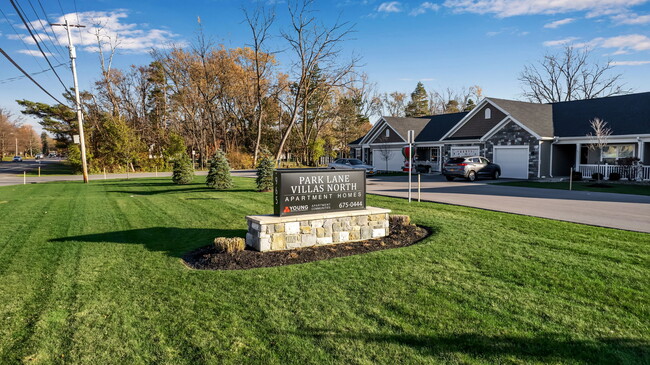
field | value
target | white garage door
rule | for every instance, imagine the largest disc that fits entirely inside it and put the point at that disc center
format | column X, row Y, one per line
column 389, row 159
column 513, row 161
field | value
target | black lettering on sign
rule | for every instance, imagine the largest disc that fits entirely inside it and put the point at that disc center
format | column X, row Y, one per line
column 304, row 191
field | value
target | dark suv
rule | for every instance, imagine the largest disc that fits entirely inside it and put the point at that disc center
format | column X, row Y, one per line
column 470, row 168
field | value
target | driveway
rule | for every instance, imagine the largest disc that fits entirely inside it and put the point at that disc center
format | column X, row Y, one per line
column 624, row 211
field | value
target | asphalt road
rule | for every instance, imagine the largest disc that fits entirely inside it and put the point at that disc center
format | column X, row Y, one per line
column 623, row 211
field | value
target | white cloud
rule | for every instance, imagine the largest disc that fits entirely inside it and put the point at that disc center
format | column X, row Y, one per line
column 427, row 79
column 630, row 63
column 34, row 52
column 559, row 42
column 111, row 26
column 631, row 18
column 625, row 43
column 424, row 7
column 508, row 8
column 390, row 7
column 558, row 23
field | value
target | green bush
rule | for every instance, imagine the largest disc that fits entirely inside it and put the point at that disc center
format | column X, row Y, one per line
column 614, row 176
column 219, row 173
column 265, row 174
column 183, row 172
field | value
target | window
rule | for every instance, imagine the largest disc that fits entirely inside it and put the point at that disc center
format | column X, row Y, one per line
column 387, row 132
column 611, row 153
column 488, row 113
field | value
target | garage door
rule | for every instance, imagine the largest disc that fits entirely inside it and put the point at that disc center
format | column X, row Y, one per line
column 389, row 159
column 513, row 161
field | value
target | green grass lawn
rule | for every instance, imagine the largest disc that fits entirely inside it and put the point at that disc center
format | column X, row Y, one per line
column 92, row 275
column 621, row 188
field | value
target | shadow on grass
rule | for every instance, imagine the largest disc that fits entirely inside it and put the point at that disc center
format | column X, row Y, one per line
column 173, row 241
column 545, row 347
column 161, row 191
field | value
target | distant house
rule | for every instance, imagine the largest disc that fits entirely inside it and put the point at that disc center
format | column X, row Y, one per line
column 528, row 140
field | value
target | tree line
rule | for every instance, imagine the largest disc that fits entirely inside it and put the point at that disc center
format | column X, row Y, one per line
column 207, row 97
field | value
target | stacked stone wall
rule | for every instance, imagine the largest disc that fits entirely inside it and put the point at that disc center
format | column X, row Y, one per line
column 271, row 236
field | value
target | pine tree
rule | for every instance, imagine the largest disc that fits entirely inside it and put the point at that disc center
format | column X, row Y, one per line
column 419, row 104
column 265, row 174
column 183, row 172
column 219, row 173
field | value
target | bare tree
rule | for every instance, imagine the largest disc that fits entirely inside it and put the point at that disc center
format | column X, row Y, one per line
column 260, row 23
column 394, row 104
column 570, row 75
column 315, row 46
column 385, row 151
column 451, row 101
column 599, row 137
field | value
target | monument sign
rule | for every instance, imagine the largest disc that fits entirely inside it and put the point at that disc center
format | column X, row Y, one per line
column 301, row 191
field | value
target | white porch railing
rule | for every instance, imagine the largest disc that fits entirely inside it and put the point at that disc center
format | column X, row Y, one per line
column 626, row 171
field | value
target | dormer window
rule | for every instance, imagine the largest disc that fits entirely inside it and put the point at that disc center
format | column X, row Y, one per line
column 387, row 132
column 488, row 113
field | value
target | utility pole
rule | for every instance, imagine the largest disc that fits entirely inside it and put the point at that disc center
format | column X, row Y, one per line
column 73, row 56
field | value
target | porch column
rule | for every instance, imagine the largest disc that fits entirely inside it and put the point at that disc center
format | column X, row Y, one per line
column 639, row 151
column 578, row 148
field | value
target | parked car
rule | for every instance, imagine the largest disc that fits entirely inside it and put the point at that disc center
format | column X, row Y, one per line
column 38, row 156
column 351, row 163
column 17, row 159
column 470, row 168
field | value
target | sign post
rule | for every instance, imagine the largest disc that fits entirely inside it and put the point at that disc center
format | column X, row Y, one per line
column 410, row 138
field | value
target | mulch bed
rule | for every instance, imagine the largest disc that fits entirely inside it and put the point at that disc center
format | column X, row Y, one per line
column 208, row 258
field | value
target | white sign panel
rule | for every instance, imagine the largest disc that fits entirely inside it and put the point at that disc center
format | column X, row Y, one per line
column 75, row 138
column 464, row 151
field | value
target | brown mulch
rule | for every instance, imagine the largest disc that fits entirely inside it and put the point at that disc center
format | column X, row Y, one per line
column 208, row 258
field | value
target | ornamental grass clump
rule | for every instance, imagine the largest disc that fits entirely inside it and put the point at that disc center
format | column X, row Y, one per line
column 264, row 178
column 183, row 172
column 229, row 244
column 219, row 174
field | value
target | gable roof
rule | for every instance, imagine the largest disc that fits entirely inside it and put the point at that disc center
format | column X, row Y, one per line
column 438, row 125
column 356, row 141
column 537, row 117
column 402, row 125
column 624, row 114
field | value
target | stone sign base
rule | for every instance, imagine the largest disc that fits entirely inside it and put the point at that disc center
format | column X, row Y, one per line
column 270, row 232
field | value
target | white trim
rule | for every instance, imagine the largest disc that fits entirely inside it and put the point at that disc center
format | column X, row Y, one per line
column 465, row 119
column 378, row 132
column 619, row 138
column 385, row 143
column 539, row 159
column 375, row 128
column 513, row 146
column 456, row 141
column 493, row 131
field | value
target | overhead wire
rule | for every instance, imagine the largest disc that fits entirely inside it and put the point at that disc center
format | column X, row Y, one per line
column 40, row 21
column 20, row 37
column 35, row 33
column 28, row 75
column 16, row 78
column 37, row 44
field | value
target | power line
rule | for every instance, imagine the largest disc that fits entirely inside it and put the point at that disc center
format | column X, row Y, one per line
column 28, row 76
column 16, row 78
column 38, row 45
column 20, row 37
column 24, row 13
column 78, row 22
column 43, row 26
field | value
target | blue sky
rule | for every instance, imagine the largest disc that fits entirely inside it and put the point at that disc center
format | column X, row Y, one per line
column 444, row 43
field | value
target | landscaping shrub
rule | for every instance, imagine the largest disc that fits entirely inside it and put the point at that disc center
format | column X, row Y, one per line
column 597, row 176
column 229, row 244
column 183, row 172
column 265, row 174
column 577, row 176
column 614, row 176
column 219, row 173
column 240, row 160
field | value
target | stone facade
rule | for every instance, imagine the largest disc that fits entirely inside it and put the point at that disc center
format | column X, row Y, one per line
column 514, row 135
column 271, row 233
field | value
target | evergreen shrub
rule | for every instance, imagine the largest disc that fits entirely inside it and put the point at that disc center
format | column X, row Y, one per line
column 265, row 169
column 183, row 172
column 219, row 173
